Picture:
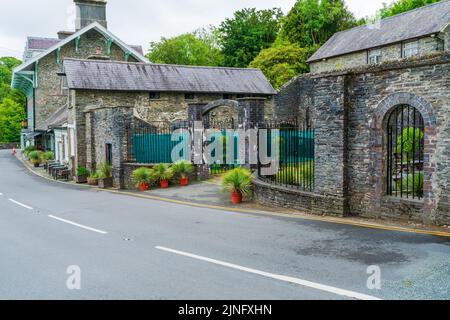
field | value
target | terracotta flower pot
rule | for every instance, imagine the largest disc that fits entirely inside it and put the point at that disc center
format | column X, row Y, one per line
column 164, row 184
column 184, row 181
column 143, row 187
column 236, row 197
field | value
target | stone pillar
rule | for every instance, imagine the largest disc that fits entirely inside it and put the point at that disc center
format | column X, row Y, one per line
column 251, row 112
column 330, row 121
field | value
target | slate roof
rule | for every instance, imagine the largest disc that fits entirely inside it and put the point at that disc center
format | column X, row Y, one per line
column 405, row 26
column 122, row 76
column 56, row 120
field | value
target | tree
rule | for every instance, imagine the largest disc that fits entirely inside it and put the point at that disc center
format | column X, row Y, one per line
column 12, row 102
column 313, row 22
column 247, row 33
column 282, row 62
column 401, row 6
column 187, row 49
column 11, row 115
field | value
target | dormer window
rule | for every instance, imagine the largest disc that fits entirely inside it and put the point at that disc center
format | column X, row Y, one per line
column 375, row 56
column 410, row 49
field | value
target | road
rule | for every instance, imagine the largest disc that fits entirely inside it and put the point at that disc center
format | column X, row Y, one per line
column 125, row 247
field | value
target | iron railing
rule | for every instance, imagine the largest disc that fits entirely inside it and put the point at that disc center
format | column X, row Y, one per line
column 295, row 152
column 405, row 153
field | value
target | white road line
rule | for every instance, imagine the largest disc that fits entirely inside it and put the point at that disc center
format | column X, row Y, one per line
column 21, row 204
column 78, row 225
column 305, row 283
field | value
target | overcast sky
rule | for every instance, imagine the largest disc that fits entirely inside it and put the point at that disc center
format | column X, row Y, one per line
column 134, row 21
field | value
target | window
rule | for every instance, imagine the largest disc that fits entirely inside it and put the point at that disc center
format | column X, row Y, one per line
column 64, row 86
column 405, row 153
column 189, row 96
column 375, row 56
column 227, row 96
column 108, row 153
column 410, row 49
column 155, row 95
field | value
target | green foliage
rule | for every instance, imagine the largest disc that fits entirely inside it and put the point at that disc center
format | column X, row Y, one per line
column 12, row 102
column 198, row 49
column 35, row 156
column 247, row 33
column 401, row 6
column 28, row 149
column 47, row 156
column 282, row 62
column 237, row 180
column 11, row 115
column 162, row 172
column 313, row 22
column 409, row 142
column 182, row 168
column 303, row 173
column 104, row 171
column 94, row 176
column 83, row 171
column 413, row 183
column 142, row 175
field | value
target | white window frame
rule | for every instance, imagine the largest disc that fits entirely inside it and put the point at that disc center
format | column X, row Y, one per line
column 410, row 49
column 375, row 56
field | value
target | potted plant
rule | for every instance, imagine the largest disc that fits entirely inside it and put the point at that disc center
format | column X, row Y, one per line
column 163, row 174
column 237, row 181
column 92, row 179
column 46, row 157
column 183, row 169
column 82, row 175
column 142, row 178
column 105, row 179
column 27, row 151
column 35, row 158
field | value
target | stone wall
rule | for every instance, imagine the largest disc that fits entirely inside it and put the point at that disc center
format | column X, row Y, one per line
column 49, row 97
column 348, row 110
column 389, row 53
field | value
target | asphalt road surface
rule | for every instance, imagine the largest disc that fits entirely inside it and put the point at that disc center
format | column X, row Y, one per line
column 67, row 242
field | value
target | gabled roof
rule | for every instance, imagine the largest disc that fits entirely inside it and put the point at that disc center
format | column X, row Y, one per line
column 410, row 25
column 94, row 26
column 123, row 76
column 41, row 43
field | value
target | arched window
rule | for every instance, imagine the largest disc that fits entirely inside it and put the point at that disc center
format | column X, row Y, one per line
column 405, row 157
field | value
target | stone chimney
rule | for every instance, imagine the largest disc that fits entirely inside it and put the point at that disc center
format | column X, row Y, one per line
column 89, row 11
column 64, row 34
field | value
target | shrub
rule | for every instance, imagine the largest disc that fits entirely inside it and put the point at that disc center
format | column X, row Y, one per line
column 182, row 168
column 29, row 149
column 237, row 180
column 301, row 173
column 83, row 171
column 142, row 175
column 35, row 156
column 411, row 183
column 47, row 156
column 162, row 172
column 104, row 171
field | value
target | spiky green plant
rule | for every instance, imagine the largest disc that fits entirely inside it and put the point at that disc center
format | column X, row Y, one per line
column 104, row 171
column 142, row 175
column 238, row 180
column 182, row 168
column 162, row 172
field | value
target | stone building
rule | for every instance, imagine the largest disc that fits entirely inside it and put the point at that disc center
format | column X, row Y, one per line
column 363, row 112
column 38, row 76
column 413, row 34
column 104, row 97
